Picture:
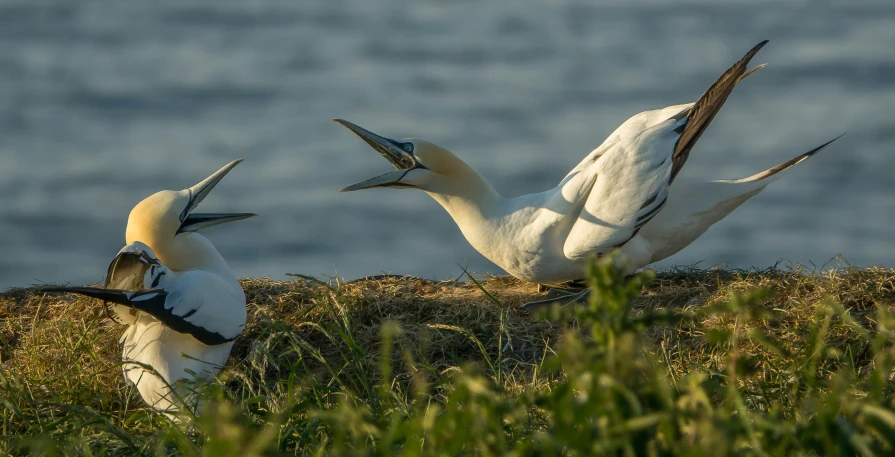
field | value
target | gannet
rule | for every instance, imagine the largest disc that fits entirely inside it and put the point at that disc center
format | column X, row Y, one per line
column 181, row 303
column 601, row 206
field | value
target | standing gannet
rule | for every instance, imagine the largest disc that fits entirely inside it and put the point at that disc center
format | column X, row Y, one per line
column 181, row 303
column 600, row 207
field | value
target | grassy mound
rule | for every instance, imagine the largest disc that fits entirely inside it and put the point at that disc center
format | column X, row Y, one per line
column 690, row 362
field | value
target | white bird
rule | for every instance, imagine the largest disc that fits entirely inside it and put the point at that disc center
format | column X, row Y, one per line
column 181, row 303
column 602, row 205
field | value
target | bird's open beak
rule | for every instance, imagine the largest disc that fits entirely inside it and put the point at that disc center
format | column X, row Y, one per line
column 191, row 222
column 403, row 160
column 198, row 221
column 392, row 179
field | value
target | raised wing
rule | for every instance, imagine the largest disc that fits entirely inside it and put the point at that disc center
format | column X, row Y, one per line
column 706, row 107
column 634, row 125
column 639, row 122
column 197, row 304
column 631, row 187
column 635, row 172
column 134, row 268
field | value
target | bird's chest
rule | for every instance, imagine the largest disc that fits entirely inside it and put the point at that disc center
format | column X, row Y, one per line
column 170, row 353
column 528, row 248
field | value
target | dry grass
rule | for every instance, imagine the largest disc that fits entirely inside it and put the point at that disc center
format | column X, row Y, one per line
column 62, row 351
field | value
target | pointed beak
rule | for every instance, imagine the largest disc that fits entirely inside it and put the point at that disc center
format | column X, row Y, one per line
column 190, row 222
column 392, row 179
column 198, row 221
column 403, row 160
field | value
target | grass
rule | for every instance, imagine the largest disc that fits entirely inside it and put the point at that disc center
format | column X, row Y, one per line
column 690, row 362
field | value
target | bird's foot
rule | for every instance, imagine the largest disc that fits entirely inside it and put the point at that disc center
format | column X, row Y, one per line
column 571, row 293
column 558, row 298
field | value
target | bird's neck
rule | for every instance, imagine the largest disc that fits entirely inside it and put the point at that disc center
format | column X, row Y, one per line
column 507, row 231
column 195, row 251
column 187, row 251
column 470, row 200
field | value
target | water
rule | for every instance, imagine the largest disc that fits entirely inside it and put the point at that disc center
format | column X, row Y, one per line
column 103, row 103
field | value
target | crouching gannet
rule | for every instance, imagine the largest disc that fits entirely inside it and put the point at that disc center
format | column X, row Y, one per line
column 603, row 205
column 181, row 303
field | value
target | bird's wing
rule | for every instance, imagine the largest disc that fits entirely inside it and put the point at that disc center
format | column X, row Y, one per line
column 134, row 268
column 693, row 207
column 631, row 186
column 639, row 122
column 204, row 301
column 197, row 304
column 632, row 126
column 706, row 107
column 635, row 172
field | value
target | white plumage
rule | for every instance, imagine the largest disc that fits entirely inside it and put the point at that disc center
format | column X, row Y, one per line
column 608, row 202
column 181, row 303
column 198, row 314
column 692, row 207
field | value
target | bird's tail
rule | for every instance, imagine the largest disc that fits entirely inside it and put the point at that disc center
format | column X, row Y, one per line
column 773, row 171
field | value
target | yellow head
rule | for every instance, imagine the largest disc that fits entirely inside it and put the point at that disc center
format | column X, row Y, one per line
column 420, row 164
column 163, row 217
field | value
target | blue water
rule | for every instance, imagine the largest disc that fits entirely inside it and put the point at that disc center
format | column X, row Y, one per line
column 103, row 103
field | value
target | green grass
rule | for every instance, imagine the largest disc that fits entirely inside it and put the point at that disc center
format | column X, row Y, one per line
column 690, row 362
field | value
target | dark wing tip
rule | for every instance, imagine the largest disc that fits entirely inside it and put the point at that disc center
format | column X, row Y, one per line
column 95, row 292
column 122, row 297
column 821, row 147
column 811, row 152
column 56, row 290
column 785, row 165
column 704, row 110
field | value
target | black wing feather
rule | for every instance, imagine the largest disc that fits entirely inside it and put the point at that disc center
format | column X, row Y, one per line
column 700, row 115
column 152, row 302
column 126, row 272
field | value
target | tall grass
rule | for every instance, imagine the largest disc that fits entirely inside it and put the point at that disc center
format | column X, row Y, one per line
column 689, row 363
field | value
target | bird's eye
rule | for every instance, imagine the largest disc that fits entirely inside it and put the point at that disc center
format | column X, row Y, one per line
column 408, row 147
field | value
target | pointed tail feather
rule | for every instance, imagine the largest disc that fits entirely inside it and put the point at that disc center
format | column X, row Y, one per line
column 704, row 110
column 786, row 165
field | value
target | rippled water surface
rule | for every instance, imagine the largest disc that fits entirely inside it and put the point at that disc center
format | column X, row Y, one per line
column 103, row 103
